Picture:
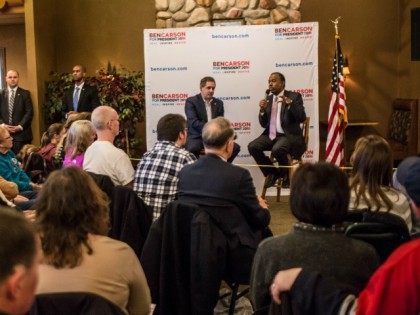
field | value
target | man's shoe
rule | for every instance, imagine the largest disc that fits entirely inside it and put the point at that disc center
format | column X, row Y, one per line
column 285, row 183
column 270, row 180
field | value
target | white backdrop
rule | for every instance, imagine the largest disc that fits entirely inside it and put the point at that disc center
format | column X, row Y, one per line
column 240, row 58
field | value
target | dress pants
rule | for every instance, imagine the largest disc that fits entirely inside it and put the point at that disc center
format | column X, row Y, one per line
column 280, row 147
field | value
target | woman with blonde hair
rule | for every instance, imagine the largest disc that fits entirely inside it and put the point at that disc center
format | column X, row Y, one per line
column 73, row 220
column 370, row 184
column 79, row 137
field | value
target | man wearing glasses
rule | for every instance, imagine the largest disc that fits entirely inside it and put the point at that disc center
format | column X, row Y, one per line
column 102, row 157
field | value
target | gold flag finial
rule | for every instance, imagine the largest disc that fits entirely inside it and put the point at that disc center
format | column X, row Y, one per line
column 335, row 22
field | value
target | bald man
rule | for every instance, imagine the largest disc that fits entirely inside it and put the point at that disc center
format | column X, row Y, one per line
column 16, row 111
column 102, row 157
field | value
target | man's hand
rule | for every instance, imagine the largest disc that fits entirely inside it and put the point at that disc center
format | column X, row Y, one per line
column 283, row 281
column 36, row 187
column 263, row 203
column 30, row 215
column 263, row 104
column 19, row 198
column 14, row 129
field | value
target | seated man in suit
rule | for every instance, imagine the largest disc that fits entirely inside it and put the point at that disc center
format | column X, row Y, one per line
column 20, row 257
column 281, row 114
column 80, row 97
column 227, row 193
column 200, row 109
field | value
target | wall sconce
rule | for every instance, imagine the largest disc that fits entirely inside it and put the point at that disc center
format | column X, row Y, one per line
column 346, row 69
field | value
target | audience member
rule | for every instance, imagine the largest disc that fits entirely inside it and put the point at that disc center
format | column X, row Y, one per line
column 398, row 182
column 49, row 142
column 81, row 97
column 102, row 157
column 156, row 179
column 281, row 113
column 200, row 109
column 79, row 137
column 60, row 152
column 227, row 193
column 319, row 199
column 370, row 184
column 16, row 111
column 9, row 166
column 393, row 289
column 73, row 219
column 20, row 256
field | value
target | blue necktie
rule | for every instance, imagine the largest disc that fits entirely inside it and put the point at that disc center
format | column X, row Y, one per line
column 76, row 98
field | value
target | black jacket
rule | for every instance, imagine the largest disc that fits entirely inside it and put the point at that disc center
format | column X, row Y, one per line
column 22, row 113
column 88, row 99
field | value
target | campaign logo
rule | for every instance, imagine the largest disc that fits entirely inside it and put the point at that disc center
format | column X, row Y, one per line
column 292, row 32
column 234, row 98
column 169, row 69
column 242, row 127
column 168, row 38
column 169, row 99
column 231, row 66
column 293, row 64
column 307, row 93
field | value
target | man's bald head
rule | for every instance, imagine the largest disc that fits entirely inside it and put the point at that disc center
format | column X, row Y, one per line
column 217, row 132
column 101, row 115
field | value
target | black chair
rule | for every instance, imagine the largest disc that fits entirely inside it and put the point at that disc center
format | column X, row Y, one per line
column 71, row 303
column 36, row 168
column 184, row 260
column 385, row 238
column 130, row 218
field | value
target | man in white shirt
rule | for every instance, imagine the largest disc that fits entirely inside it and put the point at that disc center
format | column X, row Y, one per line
column 102, row 157
column 200, row 109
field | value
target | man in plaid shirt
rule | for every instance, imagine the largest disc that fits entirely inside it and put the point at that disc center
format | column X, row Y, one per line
column 156, row 176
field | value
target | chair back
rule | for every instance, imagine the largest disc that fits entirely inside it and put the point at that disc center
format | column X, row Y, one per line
column 70, row 303
column 183, row 260
column 36, row 168
column 384, row 237
column 130, row 218
column 305, row 130
column 403, row 128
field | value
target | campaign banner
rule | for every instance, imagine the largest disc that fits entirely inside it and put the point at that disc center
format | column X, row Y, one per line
column 240, row 58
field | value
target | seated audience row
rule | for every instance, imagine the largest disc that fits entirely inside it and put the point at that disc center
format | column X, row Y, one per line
column 73, row 219
column 393, row 289
column 319, row 199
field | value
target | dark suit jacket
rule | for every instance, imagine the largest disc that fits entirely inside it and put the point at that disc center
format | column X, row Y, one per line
column 291, row 116
column 227, row 193
column 195, row 110
column 88, row 99
column 22, row 113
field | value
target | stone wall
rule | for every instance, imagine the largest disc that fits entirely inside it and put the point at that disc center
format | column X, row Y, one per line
column 185, row 13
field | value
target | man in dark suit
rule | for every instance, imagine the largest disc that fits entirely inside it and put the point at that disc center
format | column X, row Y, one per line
column 81, row 97
column 16, row 111
column 200, row 109
column 281, row 114
column 227, row 193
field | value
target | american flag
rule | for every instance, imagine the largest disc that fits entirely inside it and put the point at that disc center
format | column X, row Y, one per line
column 337, row 113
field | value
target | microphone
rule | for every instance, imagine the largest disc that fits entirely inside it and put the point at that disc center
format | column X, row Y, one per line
column 267, row 94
